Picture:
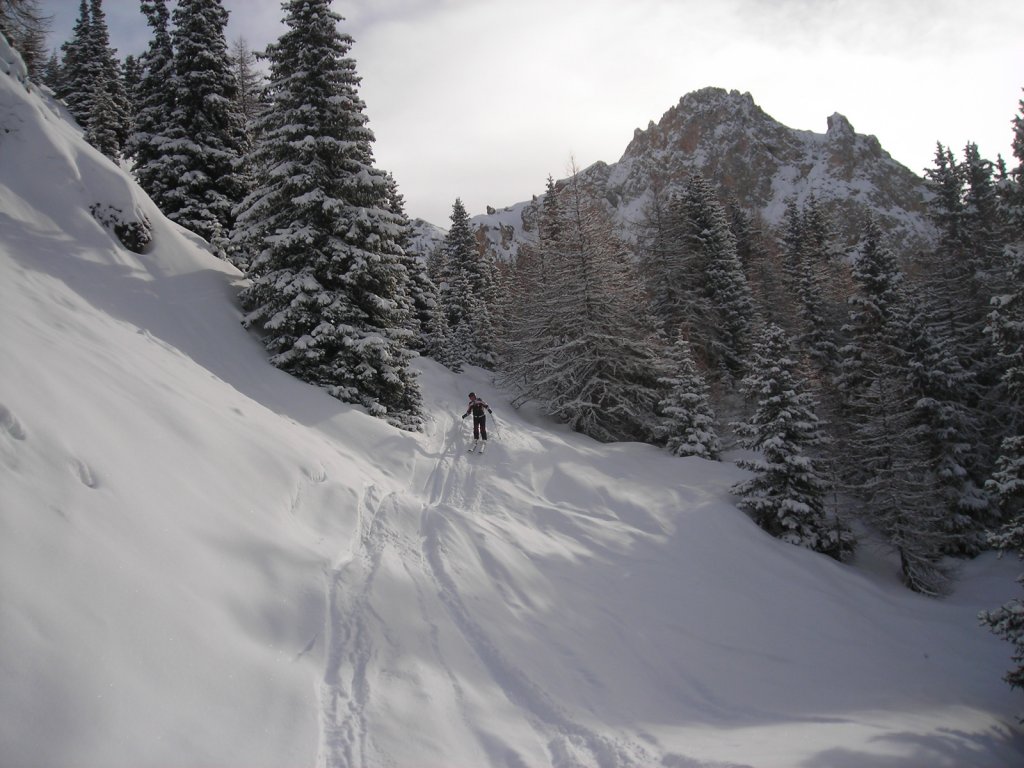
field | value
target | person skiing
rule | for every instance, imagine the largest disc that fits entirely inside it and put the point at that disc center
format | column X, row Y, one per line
column 477, row 407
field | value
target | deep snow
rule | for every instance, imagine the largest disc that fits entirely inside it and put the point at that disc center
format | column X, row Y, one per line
column 204, row 562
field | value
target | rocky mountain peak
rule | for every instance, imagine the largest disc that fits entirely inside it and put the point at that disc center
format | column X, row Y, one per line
column 754, row 159
column 839, row 127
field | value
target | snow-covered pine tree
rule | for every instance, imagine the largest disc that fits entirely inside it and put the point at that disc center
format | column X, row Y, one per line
column 881, row 452
column 109, row 121
column 206, row 136
column 249, row 94
column 329, row 288
column 949, row 430
column 955, row 284
column 665, row 267
column 249, row 102
column 983, row 220
column 466, row 308
column 786, row 496
column 427, row 320
column 688, row 424
column 92, row 85
column 1006, row 328
column 525, row 333
column 723, row 325
column 154, row 98
column 75, row 87
column 819, row 285
column 590, row 362
column 946, row 181
column 812, row 272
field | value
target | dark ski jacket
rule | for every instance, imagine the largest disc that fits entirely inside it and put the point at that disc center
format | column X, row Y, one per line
column 477, row 408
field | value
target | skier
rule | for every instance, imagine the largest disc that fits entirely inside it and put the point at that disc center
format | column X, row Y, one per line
column 477, row 408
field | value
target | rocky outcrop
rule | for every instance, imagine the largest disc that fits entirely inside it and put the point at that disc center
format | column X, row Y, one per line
column 751, row 156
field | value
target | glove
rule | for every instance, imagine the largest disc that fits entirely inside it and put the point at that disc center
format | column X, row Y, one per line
column 490, row 411
column 464, row 415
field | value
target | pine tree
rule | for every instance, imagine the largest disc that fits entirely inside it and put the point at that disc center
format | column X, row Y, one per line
column 1006, row 328
column 110, row 120
column 154, row 98
column 249, row 80
column 786, row 495
column 205, row 136
column 249, row 103
column 52, row 73
column 689, row 421
column 465, row 294
column 817, row 287
column 427, row 319
column 883, row 452
column 958, row 278
column 329, row 288
column 723, row 321
column 949, row 430
column 586, row 358
column 76, row 57
column 92, row 85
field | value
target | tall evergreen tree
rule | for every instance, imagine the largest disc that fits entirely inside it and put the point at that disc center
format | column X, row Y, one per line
column 92, row 85
column 249, row 103
column 427, row 320
column 205, row 137
column 726, row 307
column 1006, row 328
column 883, row 452
column 76, row 55
column 811, row 274
column 109, row 119
column 464, row 290
column 689, row 421
column 786, row 495
column 329, row 288
column 154, row 98
column 588, row 360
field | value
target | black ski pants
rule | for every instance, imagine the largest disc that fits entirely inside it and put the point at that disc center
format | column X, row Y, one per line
column 480, row 427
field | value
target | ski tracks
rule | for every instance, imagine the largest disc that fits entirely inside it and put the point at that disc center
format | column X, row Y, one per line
column 345, row 689
column 570, row 743
column 359, row 648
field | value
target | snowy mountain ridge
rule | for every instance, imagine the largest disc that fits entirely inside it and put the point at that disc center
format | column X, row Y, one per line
column 749, row 155
column 204, row 561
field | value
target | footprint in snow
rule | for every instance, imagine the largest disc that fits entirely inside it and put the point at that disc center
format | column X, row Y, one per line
column 10, row 424
column 85, row 474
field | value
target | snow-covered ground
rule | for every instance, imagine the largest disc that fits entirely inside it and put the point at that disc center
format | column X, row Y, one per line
column 204, row 562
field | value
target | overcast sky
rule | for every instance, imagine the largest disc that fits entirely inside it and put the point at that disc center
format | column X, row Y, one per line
column 482, row 99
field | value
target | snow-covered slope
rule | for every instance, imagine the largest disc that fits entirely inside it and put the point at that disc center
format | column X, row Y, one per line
column 204, row 562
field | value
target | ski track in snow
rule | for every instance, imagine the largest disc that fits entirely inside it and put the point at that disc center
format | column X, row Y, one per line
column 453, row 504
column 569, row 742
column 452, row 507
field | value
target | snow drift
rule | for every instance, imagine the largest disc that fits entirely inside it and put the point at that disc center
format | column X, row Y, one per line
column 204, row 562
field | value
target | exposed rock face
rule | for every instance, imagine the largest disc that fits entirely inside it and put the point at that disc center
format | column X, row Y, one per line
column 746, row 153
